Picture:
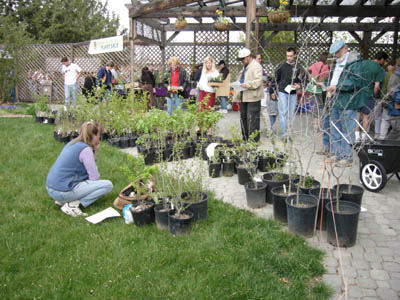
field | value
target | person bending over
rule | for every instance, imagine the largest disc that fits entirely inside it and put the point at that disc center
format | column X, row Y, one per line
column 73, row 179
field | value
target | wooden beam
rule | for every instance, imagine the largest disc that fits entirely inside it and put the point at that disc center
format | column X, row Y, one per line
column 395, row 53
column 157, row 5
column 377, row 37
column 250, row 17
column 299, row 10
column 173, row 36
column 365, row 44
column 356, row 36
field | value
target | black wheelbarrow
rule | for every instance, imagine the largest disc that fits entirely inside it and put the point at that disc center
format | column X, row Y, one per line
column 379, row 160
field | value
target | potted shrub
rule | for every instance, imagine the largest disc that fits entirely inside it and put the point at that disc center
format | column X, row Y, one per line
column 140, row 176
column 228, row 163
column 306, row 183
column 214, row 167
column 279, row 194
column 324, row 196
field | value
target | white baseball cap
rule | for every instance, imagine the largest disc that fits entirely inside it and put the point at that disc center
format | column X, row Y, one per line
column 243, row 53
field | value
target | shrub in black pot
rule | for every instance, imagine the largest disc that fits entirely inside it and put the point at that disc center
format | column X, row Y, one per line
column 345, row 219
column 301, row 213
column 255, row 194
column 197, row 204
column 161, row 215
column 124, row 142
column 266, row 161
column 142, row 212
column 214, row 167
column 273, row 179
column 306, row 183
column 179, row 224
column 350, row 192
column 279, row 195
column 324, row 196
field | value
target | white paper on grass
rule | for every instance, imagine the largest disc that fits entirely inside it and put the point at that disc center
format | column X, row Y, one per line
column 210, row 149
column 104, row 214
column 237, row 87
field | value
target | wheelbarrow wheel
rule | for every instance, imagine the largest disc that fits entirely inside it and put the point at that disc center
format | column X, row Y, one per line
column 373, row 176
column 398, row 175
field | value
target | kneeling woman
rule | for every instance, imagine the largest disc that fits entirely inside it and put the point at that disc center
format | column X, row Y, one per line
column 74, row 179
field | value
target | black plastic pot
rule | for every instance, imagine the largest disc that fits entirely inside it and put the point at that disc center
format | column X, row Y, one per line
column 64, row 138
column 186, row 151
column 265, row 163
column 278, row 200
column 124, row 142
column 114, row 142
column 105, row 136
column 306, row 190
column 323, row 200
column 199, row 208
column 346, row 221
column 268, row 178
column 167, row 153
column 301, row 214
column 39, row 119
column 228, row 168
column 143, row 217
column 243, row 175
column 51, row 121
column 255, row 195
column 56, row 136
column 179, row 226
column 354, row 195
column 161, row 216
column 214, row 170
column 132, row 140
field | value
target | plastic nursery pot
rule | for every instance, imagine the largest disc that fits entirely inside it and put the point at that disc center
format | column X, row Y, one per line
column 255, row 194
column 301, row 214
column 273, row 179
column 214, row 170
column 228, row 168
column 124, row 142
column 198, row 208
column 178, row 225
column 346, row 223
column 278, row 198
column 325, row 198
column 161, row 216
column 306, row 190
column 243, row 175
column 265, row 163
column 142, row 213
column 354, row 194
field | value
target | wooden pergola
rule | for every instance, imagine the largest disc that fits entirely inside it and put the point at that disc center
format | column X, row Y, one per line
column 150, row 21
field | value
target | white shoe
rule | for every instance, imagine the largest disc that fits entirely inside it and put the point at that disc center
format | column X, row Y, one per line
column 72, row 209
column 229, row 106
column 224, row 111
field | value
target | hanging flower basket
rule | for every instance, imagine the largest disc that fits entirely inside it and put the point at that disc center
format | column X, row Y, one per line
column 279, row 16
column 180, row 24
column 222, row 26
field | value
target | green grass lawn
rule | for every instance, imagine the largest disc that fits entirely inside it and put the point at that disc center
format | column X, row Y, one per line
column 45, row 254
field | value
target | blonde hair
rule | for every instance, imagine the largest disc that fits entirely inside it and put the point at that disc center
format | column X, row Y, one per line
column 172, row 60
column 87, row 132
column 213, row 68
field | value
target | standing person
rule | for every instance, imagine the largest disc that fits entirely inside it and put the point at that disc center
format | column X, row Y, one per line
column 287, row 76
column 73, row 179
column 250, row 78
column 148, row 83
column 89, row 86
column 258, row 58
column 223, row 91
column 270, row 101
column 209, row 71
column 176, row 80
column 319, row 71
column 104, row 78
column 372, row 75
column 71, row 73
column 344, row 90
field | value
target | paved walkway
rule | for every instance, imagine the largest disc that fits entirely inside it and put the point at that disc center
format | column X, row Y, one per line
column 371, row 268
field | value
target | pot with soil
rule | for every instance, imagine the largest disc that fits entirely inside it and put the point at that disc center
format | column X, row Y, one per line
column 114, row 141
column 161, row 215
column 345, row 219
column 279, row 195
column 228, row 168
column 301, row 214
column 127, row 196
column 179, row 224
column 273, row 179
column 124, row 142
column 266, row 162
column 243, row 175
column 142, row 212
column 214, row 168
column 350, row 192
column 199, row 208
column 306, row 183
column 255, row 194
column 323, row 199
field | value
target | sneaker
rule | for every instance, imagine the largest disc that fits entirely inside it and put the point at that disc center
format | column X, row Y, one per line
column 229, row 106
column 72, row 209
column 224, row 111
column 58, row 203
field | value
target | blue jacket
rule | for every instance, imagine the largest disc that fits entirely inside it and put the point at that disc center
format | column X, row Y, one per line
column 67, row 171
column 100, row 74
column 395, row 98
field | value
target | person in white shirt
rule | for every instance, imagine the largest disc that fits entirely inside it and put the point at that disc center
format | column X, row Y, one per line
column 71, row 73
column 209, row 72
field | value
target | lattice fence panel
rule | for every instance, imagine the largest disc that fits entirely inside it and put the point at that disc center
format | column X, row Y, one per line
column 312, row 37
column 184, row 53
column 212, row 37
column 374, row 50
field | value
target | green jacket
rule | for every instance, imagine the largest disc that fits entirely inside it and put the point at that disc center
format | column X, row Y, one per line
column 348, row 94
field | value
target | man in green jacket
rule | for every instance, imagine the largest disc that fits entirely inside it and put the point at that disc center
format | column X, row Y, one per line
column 344, row 88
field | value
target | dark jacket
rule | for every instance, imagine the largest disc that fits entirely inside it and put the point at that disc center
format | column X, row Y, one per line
column 182, row 80
column 148, row 77
column 224, row 71
column 100, row 74
column 348, row 94
column 287, row 74
column 197, row 75
column 89, row 86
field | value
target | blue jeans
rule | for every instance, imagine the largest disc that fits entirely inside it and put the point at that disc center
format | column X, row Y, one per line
column 86, row 192
column 286, row 109
column 344, row 120
column 326, row 127
column 70, row 92
column 272, row 120
column 223, row 100
column 172, row 102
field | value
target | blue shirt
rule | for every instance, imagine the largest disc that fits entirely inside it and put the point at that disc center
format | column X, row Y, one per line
column 100, row 74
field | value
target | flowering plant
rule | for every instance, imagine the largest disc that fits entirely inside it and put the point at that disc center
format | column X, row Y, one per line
column 221, row 18
column 279, row 6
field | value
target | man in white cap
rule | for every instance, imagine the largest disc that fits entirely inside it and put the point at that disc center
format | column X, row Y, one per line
column 250, row 78
column 345, row 91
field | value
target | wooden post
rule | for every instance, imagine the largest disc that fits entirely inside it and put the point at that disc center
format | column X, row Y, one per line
column 365, row 44
column 257, row 43
column 163, row 42
column 395, row 38
column 132, row 49
column 250, row 15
